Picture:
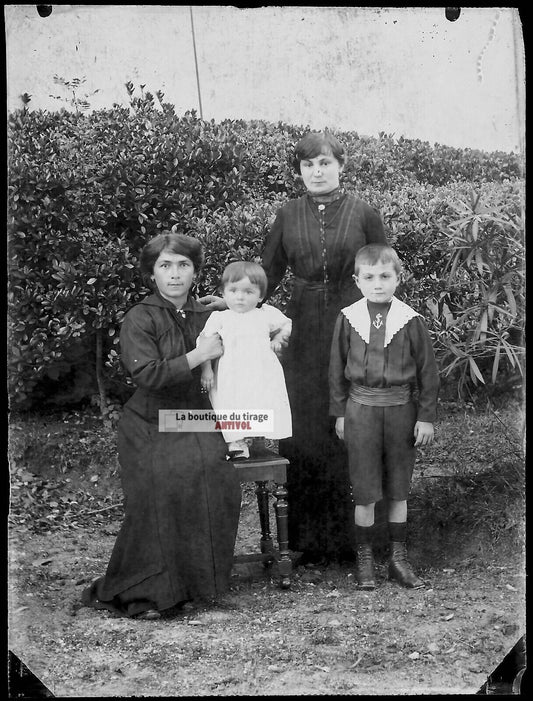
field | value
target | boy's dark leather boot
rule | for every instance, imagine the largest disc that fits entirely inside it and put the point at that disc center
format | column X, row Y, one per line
column 364, row 567
column 400, row 568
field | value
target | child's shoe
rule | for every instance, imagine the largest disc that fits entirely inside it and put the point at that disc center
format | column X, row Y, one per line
column 364, row 567
column 238, row 450
column 400, row 568
column 257, row 446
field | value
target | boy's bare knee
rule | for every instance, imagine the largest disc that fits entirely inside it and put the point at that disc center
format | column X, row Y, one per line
column 364, row 514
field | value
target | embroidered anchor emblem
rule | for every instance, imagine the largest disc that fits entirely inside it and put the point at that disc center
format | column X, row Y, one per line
column 378, row 321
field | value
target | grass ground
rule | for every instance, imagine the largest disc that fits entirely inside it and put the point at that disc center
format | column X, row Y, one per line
column 320, row 637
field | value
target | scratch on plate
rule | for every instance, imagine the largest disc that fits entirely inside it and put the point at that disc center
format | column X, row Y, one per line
column 492, row 34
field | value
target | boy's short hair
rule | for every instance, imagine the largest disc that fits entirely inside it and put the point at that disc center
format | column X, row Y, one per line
column 242, row 268
column 313, row 144
column 374, row 253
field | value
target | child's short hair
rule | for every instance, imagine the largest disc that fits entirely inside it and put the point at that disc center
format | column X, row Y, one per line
column 316, row 142
column 240, row 269
column 374, row 253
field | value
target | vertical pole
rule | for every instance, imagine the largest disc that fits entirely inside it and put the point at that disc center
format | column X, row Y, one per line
column 196, row 64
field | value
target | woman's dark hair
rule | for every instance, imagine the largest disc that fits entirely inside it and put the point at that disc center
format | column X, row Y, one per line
column 316, row 142
column 175, row 243
column 240, row 269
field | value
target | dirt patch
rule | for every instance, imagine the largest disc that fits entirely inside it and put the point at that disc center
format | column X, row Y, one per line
column 320, row 637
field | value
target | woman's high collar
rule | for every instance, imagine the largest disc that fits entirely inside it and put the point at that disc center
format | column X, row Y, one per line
column 328, row 197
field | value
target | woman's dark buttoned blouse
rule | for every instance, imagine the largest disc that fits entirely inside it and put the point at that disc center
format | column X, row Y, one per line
column 295, row 240
column 154, row 340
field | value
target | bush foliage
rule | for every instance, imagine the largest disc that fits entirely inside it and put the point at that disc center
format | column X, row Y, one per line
column 87, row 190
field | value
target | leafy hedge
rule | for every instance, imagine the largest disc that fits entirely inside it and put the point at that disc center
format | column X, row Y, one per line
column 86, row 191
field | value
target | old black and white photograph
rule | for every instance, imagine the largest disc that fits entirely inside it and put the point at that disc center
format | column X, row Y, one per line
column 265, row 350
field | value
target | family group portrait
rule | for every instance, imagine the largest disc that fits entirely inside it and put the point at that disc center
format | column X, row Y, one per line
column 265, row 351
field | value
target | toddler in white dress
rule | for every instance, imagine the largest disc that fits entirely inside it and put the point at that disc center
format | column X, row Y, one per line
column 249, row 375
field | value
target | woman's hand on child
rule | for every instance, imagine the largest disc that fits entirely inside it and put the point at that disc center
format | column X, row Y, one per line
column 339, row 427
column 210, row 346
column 213, row 303
column 279, row 341
column 423, row 433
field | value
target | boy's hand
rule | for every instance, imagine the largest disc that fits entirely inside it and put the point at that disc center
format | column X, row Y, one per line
column 339, row 427
column 423, row 433
column 276, row 346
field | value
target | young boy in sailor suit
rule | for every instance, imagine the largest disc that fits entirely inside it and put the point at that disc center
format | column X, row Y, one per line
column 380, row 354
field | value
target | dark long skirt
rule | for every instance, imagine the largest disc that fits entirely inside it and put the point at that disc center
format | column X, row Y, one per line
column 182, row 504
column 321, row 509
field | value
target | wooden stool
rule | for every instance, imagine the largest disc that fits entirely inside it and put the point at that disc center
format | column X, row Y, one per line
column 261, row 467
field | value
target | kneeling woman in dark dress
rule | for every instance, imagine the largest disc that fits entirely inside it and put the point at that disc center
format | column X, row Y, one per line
column 182, row 497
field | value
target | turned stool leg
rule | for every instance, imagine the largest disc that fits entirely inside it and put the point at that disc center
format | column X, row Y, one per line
column 262, row 504
column 284, row 563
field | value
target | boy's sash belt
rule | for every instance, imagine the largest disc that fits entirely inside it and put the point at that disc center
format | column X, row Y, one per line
column 381, row 396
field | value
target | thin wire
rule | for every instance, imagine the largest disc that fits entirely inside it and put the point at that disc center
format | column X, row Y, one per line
column 196, row 64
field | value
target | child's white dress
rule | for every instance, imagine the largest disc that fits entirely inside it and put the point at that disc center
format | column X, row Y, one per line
column 249, row 375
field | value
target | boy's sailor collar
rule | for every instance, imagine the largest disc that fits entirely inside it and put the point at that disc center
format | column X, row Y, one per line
column 359, row 318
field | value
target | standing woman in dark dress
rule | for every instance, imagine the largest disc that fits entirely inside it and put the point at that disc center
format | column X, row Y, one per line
column 182, row 498
column 317, row 237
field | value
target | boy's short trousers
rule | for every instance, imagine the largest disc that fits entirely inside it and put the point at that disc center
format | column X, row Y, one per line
column 381, row 451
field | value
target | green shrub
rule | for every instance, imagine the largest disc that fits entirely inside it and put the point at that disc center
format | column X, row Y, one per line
column 463, row 252
column 480, row 313
column 87, row 190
